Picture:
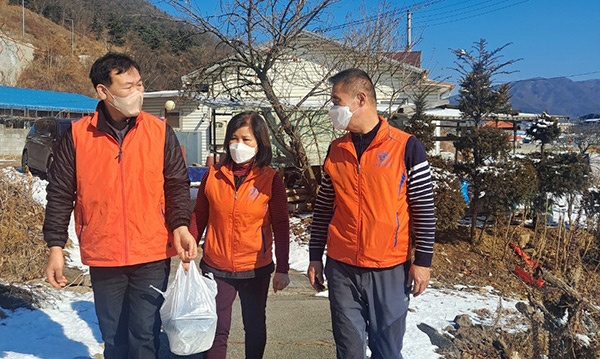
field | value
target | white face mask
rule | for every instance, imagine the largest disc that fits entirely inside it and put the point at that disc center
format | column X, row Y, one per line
column 241, row 153
column 129, row 106
column 340, row 116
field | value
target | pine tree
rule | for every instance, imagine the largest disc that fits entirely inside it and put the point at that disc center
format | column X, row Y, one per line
column 479, row 101
column 544, row 129
column 419, row 124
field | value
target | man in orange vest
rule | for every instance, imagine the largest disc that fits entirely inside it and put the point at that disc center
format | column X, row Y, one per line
column 375, row 195
column 122, row 173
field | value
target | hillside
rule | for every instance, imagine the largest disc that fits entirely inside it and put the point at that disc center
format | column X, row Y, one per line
column 164, row 47
column 557, row 96
column 560, row 96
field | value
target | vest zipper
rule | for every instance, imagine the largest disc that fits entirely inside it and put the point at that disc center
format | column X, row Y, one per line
column 359, row 220
column 119, row 158
column 232, row 236
column 235, row 195
column 126, row 240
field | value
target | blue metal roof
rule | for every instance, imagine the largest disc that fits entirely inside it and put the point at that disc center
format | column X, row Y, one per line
column 22, row 98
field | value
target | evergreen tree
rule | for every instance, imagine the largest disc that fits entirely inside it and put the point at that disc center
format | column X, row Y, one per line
column 96, row 27
column 449, row 201
column 419, row 124
column 544, row 129
column 479, row 101
column 116, row 30
column 562, row 174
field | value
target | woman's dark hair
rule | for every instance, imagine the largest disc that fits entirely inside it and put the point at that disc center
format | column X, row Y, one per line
column 261, row 133
column 101, row 69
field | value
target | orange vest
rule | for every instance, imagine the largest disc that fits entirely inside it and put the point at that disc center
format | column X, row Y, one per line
column 370, row 224
column 238, row 233
column 120, row 206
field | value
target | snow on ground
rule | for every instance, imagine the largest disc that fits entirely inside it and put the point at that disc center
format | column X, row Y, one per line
column 66, row 321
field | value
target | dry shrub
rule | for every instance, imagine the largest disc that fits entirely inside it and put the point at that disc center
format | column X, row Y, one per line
column 23, row 252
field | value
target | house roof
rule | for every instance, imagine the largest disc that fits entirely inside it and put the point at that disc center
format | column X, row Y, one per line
column 312, row 38
column 455, row 114
column 222, row 101
column 499, row 124
column 410, row 57
column 162, row 94
column 22, row 98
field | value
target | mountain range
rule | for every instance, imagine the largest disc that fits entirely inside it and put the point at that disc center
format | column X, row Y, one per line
column 557, row 96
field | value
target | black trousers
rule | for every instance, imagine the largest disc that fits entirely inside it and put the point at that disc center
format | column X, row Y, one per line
column 128, row 309
column 253, row 299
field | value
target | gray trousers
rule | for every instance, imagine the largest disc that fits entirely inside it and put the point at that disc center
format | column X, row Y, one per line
column 367, row 303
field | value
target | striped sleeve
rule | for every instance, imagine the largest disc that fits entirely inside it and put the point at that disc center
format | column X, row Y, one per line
column 420, row 201
column 321, row 218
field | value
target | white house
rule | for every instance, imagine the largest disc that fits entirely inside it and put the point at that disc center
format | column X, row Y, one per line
column 210, row 96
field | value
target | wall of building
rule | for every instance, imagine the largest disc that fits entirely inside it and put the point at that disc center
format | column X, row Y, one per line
column 12, row 141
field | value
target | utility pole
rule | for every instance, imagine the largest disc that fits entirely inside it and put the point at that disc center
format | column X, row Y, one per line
column 408, row 30
column 72, row 37
column 23, row 17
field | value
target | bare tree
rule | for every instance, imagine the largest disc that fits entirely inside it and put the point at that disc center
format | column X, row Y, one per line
column 584, row 136
column 281, row 65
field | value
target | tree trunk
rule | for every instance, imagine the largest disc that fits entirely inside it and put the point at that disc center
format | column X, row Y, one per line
column 472, row 233
column 295, row 146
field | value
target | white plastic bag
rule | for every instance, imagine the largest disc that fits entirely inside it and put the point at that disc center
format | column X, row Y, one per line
column 189, row 312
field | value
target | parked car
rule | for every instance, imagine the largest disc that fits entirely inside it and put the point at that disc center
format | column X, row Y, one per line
column 41, row 141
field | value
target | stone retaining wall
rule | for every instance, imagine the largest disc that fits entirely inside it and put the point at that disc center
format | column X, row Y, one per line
column 12, row 141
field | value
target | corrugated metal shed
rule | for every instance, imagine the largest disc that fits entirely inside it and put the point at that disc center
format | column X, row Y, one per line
column 22, row 98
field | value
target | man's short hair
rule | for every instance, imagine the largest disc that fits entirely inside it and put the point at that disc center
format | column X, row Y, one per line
column 355, row 81
column 101, row 69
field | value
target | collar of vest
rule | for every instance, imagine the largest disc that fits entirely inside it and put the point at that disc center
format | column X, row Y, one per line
column 99, row 118
column 382, row 134
column 227, row 170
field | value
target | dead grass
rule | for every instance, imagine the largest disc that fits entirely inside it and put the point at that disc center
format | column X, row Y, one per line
column 22, row 249
column 492, row 263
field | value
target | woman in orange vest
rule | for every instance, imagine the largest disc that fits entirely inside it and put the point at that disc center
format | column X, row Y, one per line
column 242, row 204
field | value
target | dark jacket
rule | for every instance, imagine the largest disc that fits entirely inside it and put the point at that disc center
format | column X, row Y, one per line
column 62, row 188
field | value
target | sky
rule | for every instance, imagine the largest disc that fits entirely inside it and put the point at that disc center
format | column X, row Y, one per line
column 553, row 38
column 67, row 323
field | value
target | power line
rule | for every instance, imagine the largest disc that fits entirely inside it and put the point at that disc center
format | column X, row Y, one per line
column 397, row 12
column 441, row 8
column 476, row 15
column 428, row 6
column 582, row 74
column 455, row 10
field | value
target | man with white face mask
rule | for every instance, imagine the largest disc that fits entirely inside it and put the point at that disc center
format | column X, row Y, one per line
column 121, row 171
column 377, row 178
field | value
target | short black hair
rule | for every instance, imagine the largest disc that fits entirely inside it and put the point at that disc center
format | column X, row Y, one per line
column 354, row 81
column 101, row 69
column 259, row 128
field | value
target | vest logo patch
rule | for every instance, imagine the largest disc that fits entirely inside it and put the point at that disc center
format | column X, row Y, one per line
column 383, row 159
column 253, row 194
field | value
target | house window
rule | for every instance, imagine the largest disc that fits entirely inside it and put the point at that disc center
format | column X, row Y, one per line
column 173, row 119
